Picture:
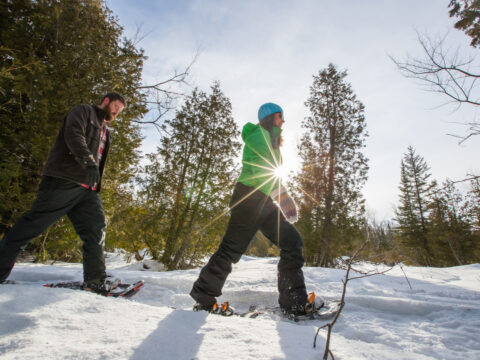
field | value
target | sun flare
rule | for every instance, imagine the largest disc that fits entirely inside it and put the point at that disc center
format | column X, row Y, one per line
column 281, row 172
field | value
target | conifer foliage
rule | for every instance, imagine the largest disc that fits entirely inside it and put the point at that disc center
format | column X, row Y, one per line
column 333, row 170
column 190, row 178
column 54, row 55
column 467, row 13
column 436, row 225
column 414, row 206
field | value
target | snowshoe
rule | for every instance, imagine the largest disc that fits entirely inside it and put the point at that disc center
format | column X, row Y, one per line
column 102, row 287
column 314, row 303
column 200, row 307
column 9, row 282
column 309, row 309
column 224, row 309
column 110, row 288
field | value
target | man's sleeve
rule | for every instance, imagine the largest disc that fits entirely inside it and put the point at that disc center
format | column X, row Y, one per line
column 75, row 129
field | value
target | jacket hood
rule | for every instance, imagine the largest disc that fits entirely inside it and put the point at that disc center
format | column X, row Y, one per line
column 250, row 128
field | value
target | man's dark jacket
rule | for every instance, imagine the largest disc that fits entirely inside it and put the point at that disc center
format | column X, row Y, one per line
column 76, row 146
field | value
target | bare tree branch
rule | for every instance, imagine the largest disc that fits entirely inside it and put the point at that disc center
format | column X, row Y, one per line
column 410, row 285
column 369, row 274
column 139, row 34
column 162, row 97
column 449, row 182
column 349, row 267
column 473, row 130
column 442, row 71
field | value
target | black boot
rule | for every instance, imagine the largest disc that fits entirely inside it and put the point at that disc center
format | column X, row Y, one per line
column 313, row 304
column 100, row 286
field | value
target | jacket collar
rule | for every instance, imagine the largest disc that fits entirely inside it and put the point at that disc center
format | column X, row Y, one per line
column 276, row 131
column 101, row 114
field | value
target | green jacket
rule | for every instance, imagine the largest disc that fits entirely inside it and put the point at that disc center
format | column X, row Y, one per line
column 259, row 159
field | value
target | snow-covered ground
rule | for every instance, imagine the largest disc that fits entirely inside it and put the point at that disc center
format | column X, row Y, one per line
column 439, row 318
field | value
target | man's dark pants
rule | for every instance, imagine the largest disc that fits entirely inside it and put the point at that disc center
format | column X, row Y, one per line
column 56, row 198
column 255, row 212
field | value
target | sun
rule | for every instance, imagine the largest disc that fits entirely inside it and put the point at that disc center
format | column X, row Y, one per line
column 281, row 172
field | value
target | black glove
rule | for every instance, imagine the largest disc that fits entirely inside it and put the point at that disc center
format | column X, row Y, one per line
column 93, row 175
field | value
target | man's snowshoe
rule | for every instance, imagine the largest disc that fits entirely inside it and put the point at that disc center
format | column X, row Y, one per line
column 102, row 287
column 8, row 282
column 111, row 288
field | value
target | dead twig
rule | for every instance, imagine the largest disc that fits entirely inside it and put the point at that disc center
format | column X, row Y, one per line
column 349, row 268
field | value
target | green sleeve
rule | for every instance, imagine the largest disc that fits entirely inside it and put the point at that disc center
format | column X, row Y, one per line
column 259, row 162
column 260, row 144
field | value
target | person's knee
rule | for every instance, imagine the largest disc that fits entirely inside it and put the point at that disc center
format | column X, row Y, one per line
column 228, row 253
column 93, row 226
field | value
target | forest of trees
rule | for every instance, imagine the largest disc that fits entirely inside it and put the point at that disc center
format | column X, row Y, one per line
column 437, row 225
column 174, row 206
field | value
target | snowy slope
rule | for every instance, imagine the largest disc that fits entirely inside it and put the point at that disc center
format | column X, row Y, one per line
column 439, row 318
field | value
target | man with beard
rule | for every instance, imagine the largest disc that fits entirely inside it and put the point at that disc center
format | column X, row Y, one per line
column 70, row 184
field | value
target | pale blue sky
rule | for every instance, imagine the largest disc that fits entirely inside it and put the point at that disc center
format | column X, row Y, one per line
column 268, row 50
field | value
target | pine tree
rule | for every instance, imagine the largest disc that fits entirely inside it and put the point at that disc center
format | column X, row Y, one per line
column 333, row 170
column 468, row 13
column 412, row 214
column 473, row 214
column 474, row 204
column 450, row 233
column 190, row 178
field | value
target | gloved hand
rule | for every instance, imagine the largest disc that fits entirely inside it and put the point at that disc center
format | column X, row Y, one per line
column 286, row 203
column 93, row 175
column 289, row 208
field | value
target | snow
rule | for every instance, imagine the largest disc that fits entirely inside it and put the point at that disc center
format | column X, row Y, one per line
column 438, row 318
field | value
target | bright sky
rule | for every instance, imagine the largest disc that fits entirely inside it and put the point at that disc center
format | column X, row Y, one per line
column 268, row 51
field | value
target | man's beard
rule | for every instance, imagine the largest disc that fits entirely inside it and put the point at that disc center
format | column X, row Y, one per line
column 108, row 116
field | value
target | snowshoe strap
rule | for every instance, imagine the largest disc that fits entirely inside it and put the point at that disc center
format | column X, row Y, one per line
column 226, row 310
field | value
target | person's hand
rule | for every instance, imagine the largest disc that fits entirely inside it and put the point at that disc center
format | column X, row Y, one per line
column 286, row 203
column 93, row 175
column 289, row 208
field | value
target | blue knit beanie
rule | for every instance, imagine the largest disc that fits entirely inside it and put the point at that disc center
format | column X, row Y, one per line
column 268, row 109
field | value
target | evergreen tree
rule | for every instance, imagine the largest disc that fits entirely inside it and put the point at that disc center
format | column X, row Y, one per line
column 333, row 170
column 412, row 214
column 468, row 13
column 190, row 178
column 473, row 205
column 473, row 213
column 450, row 233
column 54, row 55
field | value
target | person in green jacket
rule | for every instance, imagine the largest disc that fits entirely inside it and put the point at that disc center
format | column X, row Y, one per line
column 259, row 202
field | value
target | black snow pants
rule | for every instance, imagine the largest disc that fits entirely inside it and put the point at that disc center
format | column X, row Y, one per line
column 55, row 198
column 255, row 212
